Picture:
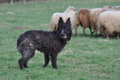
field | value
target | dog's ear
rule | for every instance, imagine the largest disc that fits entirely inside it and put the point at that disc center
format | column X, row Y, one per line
column 60, row 20
column 68, row 22
column 69, row 31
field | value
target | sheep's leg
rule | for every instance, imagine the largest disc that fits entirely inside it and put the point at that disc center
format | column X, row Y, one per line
column 46, row 59
column 84, row 31
column 54, row 60
column 90, row 30
column 118, row 36
column 93, row 32
column 108, row 32
column 75, row 31
column 96, row 30
column 106, row 35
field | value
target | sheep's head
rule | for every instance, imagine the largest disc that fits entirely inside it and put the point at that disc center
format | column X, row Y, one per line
column 107, row 7
column 71, row 9
column 116, row 7
column 78, row 22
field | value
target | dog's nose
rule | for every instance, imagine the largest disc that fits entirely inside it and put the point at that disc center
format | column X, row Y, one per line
column 62, row 33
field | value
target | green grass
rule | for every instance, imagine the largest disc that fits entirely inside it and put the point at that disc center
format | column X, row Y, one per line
column 83, row 58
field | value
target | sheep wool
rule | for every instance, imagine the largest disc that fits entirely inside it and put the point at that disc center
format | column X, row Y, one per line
column 109, row 22
column 69, row 12
column 83, row 19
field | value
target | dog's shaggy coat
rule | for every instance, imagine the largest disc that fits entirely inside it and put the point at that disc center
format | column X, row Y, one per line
column 49, row 42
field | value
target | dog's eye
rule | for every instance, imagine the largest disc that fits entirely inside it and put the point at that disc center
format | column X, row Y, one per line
column 65, row 28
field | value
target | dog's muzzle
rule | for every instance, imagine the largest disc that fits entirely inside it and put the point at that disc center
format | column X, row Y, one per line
column 63, row 34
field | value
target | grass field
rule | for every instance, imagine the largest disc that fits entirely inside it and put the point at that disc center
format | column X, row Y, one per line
column 83, row 58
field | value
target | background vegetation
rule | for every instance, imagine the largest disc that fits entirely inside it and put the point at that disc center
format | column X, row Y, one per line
column 83, row 58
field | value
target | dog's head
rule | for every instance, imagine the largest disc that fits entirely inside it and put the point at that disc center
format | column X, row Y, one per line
column 64, row 29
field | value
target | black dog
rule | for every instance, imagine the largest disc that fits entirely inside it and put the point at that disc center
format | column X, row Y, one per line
column 48, row 42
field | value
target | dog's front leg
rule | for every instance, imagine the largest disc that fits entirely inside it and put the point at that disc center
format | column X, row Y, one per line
column 54, row 60
column 46, row 59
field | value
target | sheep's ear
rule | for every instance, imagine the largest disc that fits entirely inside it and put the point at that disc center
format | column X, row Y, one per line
column 70, row 7
column 68, row 21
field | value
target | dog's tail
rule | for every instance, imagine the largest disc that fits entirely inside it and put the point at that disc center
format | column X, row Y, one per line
column 20, row 40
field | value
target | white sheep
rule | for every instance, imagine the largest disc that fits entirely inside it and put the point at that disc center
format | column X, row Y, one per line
column 109, row 23
column 69, row 12
column 94, row 17
column 116, row 7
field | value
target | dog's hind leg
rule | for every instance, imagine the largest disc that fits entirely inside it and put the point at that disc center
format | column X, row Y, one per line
column 20, row 63
column 54, row 60
column 46, row 59
column 27, row 53
column 25, row 65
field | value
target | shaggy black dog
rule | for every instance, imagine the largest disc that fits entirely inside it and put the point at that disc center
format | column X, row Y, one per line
column 49, row 42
